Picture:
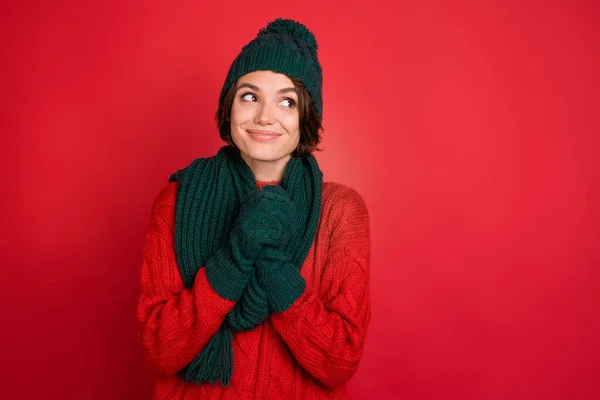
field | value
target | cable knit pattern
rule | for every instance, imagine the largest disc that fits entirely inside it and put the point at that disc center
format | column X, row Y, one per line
column 308, row 351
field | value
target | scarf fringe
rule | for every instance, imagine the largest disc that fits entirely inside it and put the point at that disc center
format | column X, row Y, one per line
column 215, row 362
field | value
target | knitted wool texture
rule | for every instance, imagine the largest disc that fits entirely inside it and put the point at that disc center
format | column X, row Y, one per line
column 308, row 351
column 284, row 46
column 210, row 192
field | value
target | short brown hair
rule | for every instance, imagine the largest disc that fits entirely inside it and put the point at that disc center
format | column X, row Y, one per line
column 310, row 121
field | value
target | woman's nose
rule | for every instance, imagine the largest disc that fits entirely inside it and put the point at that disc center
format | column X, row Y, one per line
column 264, row 115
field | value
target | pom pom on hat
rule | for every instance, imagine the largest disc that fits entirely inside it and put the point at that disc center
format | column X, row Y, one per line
column 291, row 28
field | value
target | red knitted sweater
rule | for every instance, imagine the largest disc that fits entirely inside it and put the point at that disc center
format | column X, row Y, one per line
column 306, row 352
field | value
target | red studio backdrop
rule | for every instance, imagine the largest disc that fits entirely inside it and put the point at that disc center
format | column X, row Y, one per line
column 470, row 128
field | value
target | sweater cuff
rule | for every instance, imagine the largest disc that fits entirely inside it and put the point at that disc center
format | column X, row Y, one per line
column 206, row 295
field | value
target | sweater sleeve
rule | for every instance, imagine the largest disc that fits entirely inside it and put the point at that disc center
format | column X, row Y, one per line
column 174, row 323
column 325, row 328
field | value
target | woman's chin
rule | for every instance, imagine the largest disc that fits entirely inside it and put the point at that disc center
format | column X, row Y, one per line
column 265, row 155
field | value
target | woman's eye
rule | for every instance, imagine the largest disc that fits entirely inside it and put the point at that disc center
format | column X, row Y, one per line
column 248, row 97
column 288, row 103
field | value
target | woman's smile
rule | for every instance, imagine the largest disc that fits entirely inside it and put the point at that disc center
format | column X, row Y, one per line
column 263, row 136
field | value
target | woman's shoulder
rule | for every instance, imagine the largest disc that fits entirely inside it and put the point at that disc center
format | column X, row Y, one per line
column 344, row 215
column 342, row 201
column 166, row 197
column 339, row 193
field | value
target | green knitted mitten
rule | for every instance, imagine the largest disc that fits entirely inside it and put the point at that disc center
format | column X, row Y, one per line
column 259, row 223
column 279, row 277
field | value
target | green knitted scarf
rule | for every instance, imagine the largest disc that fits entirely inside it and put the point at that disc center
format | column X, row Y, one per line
column 208, row 202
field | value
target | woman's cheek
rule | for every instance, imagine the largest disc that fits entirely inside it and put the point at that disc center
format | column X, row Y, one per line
column 292, row 124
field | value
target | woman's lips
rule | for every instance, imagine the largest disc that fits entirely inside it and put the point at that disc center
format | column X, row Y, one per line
column 263, row 136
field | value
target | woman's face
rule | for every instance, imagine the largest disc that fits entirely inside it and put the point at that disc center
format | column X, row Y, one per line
column 265, row 122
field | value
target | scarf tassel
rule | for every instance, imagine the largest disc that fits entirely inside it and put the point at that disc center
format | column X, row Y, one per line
column 215, row 362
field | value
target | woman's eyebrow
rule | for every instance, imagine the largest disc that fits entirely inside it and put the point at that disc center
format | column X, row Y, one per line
column 248, row 85
column 286, row 90
column 257, row 89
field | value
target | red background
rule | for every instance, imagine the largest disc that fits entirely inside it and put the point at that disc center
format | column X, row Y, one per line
column 470, row 128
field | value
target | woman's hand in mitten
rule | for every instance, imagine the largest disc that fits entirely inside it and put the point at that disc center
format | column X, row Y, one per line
column 267, row 217
column 279, row 277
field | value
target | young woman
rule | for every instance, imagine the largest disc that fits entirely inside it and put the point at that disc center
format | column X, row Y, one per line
column 255, row 272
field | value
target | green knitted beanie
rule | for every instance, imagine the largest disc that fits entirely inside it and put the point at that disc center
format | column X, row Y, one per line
column 284, row 46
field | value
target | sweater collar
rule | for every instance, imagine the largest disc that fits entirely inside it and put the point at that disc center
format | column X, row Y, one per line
column 262, row 184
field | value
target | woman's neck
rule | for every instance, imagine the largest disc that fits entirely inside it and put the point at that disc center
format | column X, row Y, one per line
column 267, row 171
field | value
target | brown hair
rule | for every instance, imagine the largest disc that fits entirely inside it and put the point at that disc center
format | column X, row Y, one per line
column 310, row 121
